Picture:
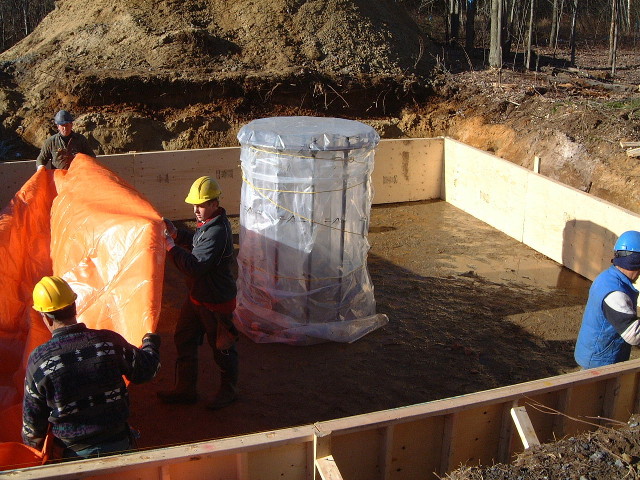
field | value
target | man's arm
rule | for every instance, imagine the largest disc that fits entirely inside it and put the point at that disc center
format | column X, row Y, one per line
column 210, row 249
column 83, row 145
column 45, row 155
column 621, row 313
column 144, row 362
column 35, row 414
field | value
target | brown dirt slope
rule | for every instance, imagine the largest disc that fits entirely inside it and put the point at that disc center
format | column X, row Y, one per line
column 169, row 74
column 172, row 75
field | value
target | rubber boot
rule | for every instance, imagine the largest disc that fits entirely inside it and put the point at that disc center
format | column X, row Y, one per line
column 185, row 390
column 227, row 360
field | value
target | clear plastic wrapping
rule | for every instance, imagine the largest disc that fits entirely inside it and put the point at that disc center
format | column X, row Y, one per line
column 304, row 218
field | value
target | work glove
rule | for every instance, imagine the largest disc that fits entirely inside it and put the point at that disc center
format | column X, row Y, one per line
column 171, row 229
column 152, row 339
column 168, row 241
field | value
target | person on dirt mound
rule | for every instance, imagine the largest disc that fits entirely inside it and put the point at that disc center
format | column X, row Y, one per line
column 74, row 383
column 60, row 148
column 610, row 322
column 205, row 257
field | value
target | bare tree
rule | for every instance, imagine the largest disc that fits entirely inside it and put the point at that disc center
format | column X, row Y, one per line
column 613, row 36
column 572, row 41
column 529, row 35
column 470, row 32
column 554, row 25
column 495, row 47
column 18, row 18
column 25, row 16
column 454, row 18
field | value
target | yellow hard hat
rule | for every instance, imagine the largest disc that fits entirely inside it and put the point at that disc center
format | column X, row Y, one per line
column 51, row 294
column 203, row 190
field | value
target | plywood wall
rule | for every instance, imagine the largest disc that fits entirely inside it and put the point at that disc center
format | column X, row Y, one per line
column 405, row 170
column 565, row 224
column 571, row 227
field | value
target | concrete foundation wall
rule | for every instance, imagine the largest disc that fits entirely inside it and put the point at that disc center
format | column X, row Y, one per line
column 565, row 224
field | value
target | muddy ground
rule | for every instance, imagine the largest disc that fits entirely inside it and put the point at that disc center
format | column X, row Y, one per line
column 469, row 309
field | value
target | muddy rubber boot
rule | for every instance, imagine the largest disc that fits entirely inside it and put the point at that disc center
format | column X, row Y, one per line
column 227, row 395
column 185, row 391
column 227, row 360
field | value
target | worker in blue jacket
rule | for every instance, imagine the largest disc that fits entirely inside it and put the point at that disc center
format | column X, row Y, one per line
column 610, row 322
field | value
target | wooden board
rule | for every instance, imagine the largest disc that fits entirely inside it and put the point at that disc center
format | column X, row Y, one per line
column 633, row 152
column 408, row 170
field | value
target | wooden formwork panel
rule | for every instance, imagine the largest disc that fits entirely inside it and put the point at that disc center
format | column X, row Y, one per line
column 572, row 227
column 408, row 170
column 540, row 409
column 485, row 186
column 567, row 225
column 287, row 462
column 165, row 177
column 404, row 443
column 358, row 455
column 416, row 450
column 12, row 176
column 466, row 434
column 405, row 170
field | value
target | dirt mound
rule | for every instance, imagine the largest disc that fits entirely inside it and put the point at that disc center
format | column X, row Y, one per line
column 174, row 75
column 605, row 454
column 186, row 64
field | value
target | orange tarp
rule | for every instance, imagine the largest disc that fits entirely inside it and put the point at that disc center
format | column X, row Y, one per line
column 88, row 226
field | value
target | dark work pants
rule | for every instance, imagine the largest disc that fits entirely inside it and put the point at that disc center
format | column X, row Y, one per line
column 194, row 322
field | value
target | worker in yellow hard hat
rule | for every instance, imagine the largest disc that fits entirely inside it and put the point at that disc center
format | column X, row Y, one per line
column 205, row 257
column 74, row 382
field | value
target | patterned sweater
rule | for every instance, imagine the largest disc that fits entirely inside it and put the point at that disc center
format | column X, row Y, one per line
column 75, row 382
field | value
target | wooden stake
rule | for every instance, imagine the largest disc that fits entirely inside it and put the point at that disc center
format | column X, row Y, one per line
column 525, row 427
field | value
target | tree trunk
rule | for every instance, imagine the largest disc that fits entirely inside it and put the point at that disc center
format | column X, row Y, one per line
column 25, row 15
column 470, row 33
column 613, row 36
column 530, row 36
column 495, row 46
column 454, row 18
column 554, row 25
column 572, row 41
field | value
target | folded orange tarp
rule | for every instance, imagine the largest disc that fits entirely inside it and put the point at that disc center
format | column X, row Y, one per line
column 88, row 226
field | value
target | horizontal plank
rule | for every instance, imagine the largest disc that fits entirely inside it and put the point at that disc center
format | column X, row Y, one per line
column 633, row 152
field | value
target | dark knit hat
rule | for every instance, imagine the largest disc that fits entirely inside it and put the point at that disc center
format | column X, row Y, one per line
column 627, row 260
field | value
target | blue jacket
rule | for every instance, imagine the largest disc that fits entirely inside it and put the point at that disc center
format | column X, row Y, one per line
column 598, row 342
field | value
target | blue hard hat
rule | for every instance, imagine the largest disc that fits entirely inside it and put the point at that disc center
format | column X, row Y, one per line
column 63, row 117
column 628, row 242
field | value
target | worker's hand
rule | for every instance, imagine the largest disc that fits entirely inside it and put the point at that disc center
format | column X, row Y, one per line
column 151, row 339
column 168, row 241
column 171, row 228
column 39, row 167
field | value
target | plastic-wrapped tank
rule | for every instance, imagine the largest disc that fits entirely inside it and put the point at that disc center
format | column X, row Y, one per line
column 304, row 218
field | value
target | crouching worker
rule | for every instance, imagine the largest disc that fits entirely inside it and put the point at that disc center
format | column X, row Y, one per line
column 74, row 382
column 610, row 322
column 205, row 257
